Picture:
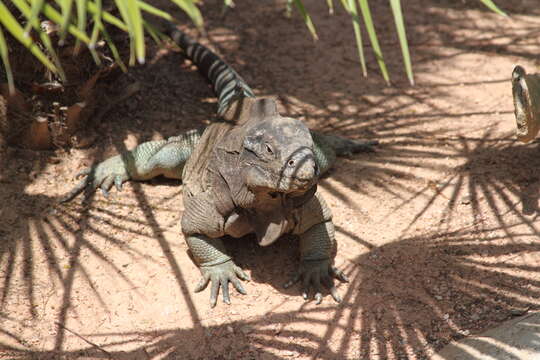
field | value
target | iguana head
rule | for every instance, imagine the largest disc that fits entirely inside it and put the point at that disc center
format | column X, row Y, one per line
column 526, row 94
column 277, row 152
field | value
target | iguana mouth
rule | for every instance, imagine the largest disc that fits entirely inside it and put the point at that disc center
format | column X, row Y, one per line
column 293, row 184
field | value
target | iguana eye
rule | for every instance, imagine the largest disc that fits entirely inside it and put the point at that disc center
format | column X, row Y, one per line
column 269, row 149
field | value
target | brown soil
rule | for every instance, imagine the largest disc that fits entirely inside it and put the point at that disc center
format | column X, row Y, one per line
column 437, row 230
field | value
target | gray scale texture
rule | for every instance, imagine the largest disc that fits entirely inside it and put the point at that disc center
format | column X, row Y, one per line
column 254, row 173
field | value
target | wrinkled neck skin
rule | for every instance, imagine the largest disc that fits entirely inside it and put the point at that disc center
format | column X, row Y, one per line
column 269, row 212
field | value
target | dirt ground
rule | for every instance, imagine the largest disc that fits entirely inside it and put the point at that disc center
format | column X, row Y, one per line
column 437, row 230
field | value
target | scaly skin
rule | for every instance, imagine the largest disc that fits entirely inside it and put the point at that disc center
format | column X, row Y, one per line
column 168, row 157
column 526, row 94
column 146, row 161
column 254, row 173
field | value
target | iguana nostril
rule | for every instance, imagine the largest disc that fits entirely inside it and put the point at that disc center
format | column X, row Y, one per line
column 291, row 162
column 307, row 170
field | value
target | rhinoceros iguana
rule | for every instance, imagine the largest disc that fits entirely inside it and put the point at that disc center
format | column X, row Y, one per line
column 255, row 171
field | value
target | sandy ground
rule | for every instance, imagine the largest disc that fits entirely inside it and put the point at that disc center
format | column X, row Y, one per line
column 437, row 230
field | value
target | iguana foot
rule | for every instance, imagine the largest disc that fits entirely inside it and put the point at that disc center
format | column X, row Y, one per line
column 104, row 175
column 313, row 273
column 220, row 275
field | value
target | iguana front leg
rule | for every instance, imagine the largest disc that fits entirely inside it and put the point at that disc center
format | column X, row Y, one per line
column 317, row 247
column 146, row 161
column 216, row 267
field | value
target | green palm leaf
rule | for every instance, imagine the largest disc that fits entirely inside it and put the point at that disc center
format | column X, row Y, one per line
column 353, row 11
column 155, row 11
column 33, row 18
column 193, row 12
column 307, row 19
column 52, row 14
column 81, row 21
column 97, row 9
column 121, row 5
column 402, row 35
column 491, row 5
column 5, row 61
column 330, row 4
column 66, row 6
column 11, row 24
column 132, row 21
column 372, row 34
column 25, row 9
column 135, row 19
column 114, row 50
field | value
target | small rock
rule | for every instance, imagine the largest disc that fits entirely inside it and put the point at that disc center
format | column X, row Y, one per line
column 438, row 297
column 230, row 329
column 246, row 329
column 475, row 317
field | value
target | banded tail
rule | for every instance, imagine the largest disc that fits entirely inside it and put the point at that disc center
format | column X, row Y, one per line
column 226, row 82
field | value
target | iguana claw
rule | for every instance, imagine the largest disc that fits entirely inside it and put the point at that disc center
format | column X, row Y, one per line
column 220, row 275
column 103, row 175
column 315, row 273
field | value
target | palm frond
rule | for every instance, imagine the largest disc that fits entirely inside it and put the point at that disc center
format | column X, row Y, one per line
column 75, row 23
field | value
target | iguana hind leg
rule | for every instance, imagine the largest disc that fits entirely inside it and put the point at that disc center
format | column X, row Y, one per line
column 146, row 161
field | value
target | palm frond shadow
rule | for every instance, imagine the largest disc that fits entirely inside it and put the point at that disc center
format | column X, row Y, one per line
column 401, row 303
column 55, row 239
column 365, row 109
column 497, row 175
column 410, row 321
column 434, row 270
